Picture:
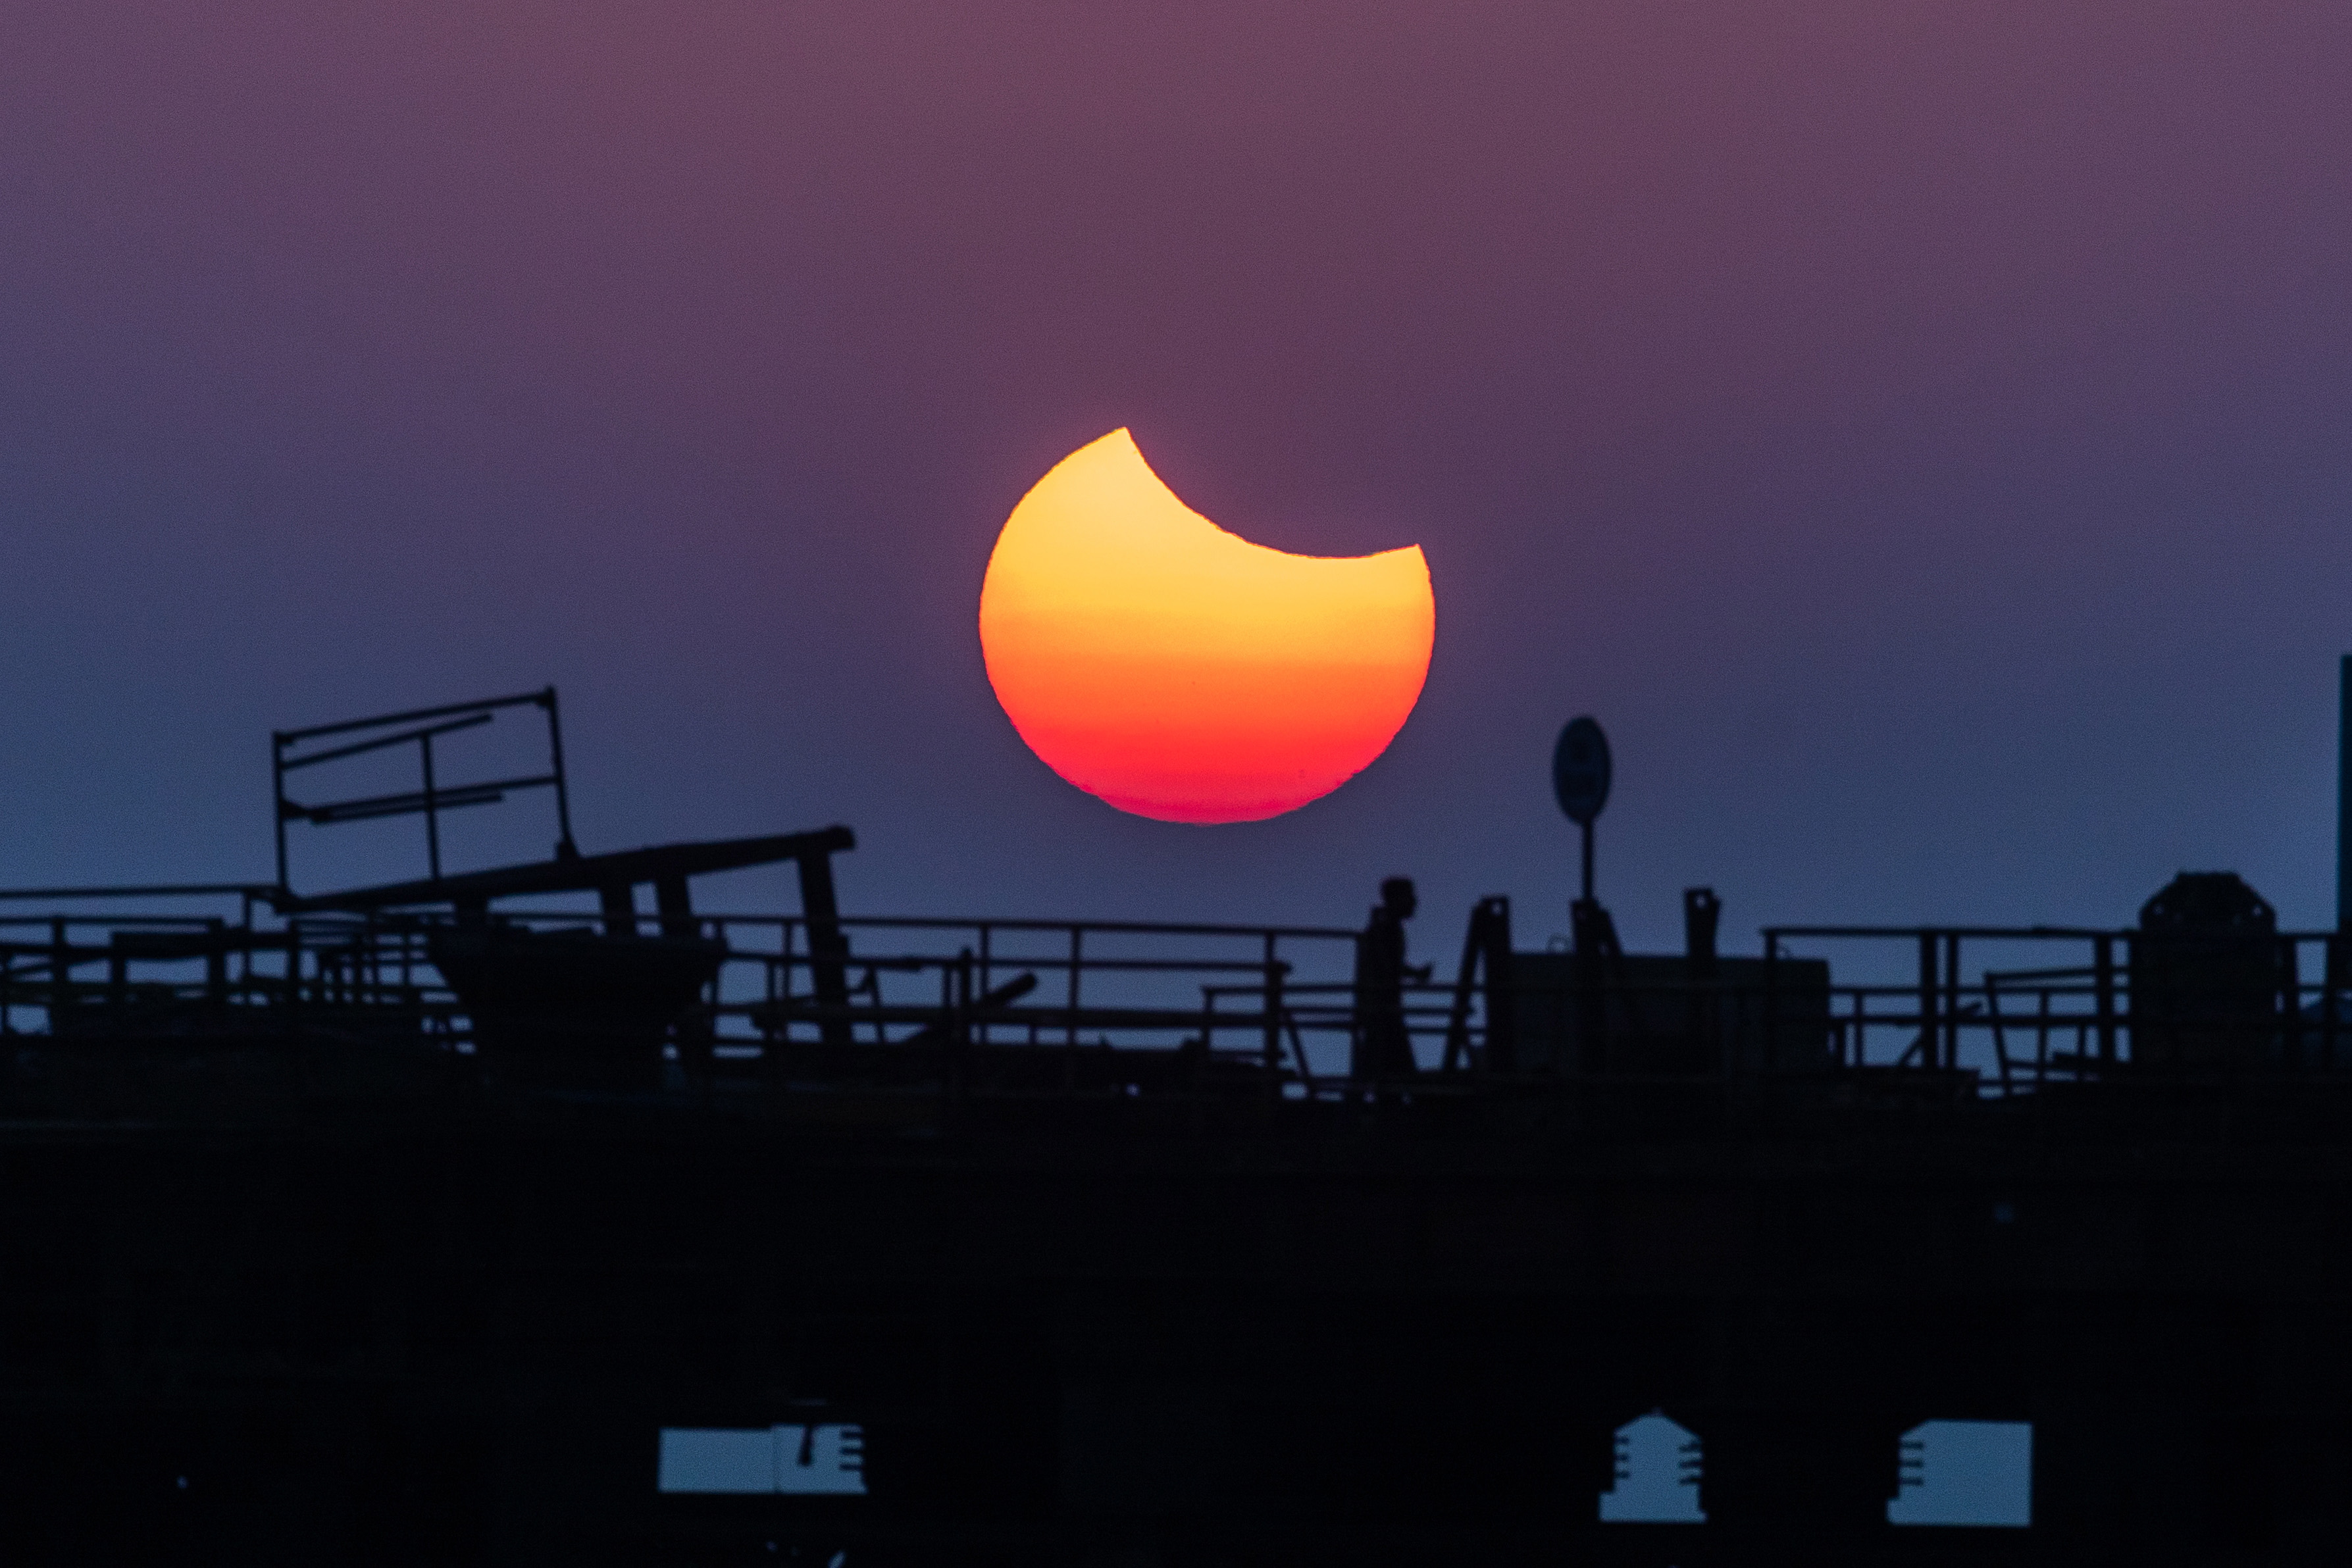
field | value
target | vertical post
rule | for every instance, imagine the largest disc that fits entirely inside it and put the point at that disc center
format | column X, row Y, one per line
column 1077, row 955
column 1274, row 973
column 1952, row 999
column 948, row 1057
column 780, row 984
column 696, row 1030
column 432, row 811
column 675, row 905
column 216, row 963
column 1502, row 1052
column 828, row 948
column 959, row 1034
column 61, row 997
column 277, row 787
column 2102, row 982
column 1702, row 1016
column 1592, row 1000
column 2291, row 1000
column 1586, row 826
column 987, row 978
column 2330, row 977
column 1928, row 1024
column 555, row 762
column 293, row 974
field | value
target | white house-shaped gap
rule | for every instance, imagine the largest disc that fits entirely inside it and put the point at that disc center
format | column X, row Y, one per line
column 802, row 1461
column 1658, row 1470
column 1966, row 1472
column 715, row 1460
column 821, row 1460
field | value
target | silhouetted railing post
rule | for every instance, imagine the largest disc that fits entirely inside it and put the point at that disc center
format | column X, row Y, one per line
column 2103, row 986
column 1486, row 962
column 2291, row 1001
column 61, row 996
column 431, row 806
column 673, row 903
column 779, row 977
column 1299, row 1053
column 1701, row 1019
column 828, row 948
column 950, row 1059
column 1999, row 1031
column 1952, row 1013
column 1928, row 1023
column 618, row 902
column 960, row 1033
column 1501, row 1053
column 1591, row 998
column 1274, row 969
column 291, row 996
column 987, row 977
column 2330, row 984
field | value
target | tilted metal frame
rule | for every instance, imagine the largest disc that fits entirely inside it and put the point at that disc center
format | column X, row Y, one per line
column 432, row 800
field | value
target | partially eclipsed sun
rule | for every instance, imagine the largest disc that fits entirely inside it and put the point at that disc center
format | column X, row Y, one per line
column 1180, row 672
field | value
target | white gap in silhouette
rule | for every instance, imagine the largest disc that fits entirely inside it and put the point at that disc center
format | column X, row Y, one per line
column 1966, row 1472
column 1658, row 1468
column 810, row 1461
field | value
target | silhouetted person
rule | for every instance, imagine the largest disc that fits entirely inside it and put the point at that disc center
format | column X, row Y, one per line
column 1382, row 1047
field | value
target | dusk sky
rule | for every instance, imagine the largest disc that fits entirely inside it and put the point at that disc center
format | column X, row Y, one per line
column 1919, row 430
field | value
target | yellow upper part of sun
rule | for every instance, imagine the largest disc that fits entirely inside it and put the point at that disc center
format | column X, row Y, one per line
column 1181, row 672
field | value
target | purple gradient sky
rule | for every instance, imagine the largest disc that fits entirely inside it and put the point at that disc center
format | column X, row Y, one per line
column 1919, row 430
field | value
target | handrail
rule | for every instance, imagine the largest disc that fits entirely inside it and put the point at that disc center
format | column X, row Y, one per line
column 151, row 890
column 1275, row 1002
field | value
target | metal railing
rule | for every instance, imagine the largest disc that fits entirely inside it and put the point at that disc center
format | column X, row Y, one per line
column 2206, row 1006
column 1973, row 1012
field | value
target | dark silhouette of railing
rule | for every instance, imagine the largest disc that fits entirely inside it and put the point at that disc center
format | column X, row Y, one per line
column 1088, row 1006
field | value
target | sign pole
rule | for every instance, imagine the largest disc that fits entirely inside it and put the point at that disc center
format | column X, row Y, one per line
column 1580, row 779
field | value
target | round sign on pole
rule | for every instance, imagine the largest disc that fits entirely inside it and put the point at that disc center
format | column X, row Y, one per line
column 1580, row 770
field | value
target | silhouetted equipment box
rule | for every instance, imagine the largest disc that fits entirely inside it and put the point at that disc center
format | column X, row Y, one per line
column 1652, row 1014
column 578, row 998
column 2208, row 974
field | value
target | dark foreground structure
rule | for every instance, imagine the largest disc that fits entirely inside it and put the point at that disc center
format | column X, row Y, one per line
column 399, row 1225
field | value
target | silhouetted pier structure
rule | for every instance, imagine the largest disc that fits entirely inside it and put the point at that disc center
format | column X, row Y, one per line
column 395, row 1224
